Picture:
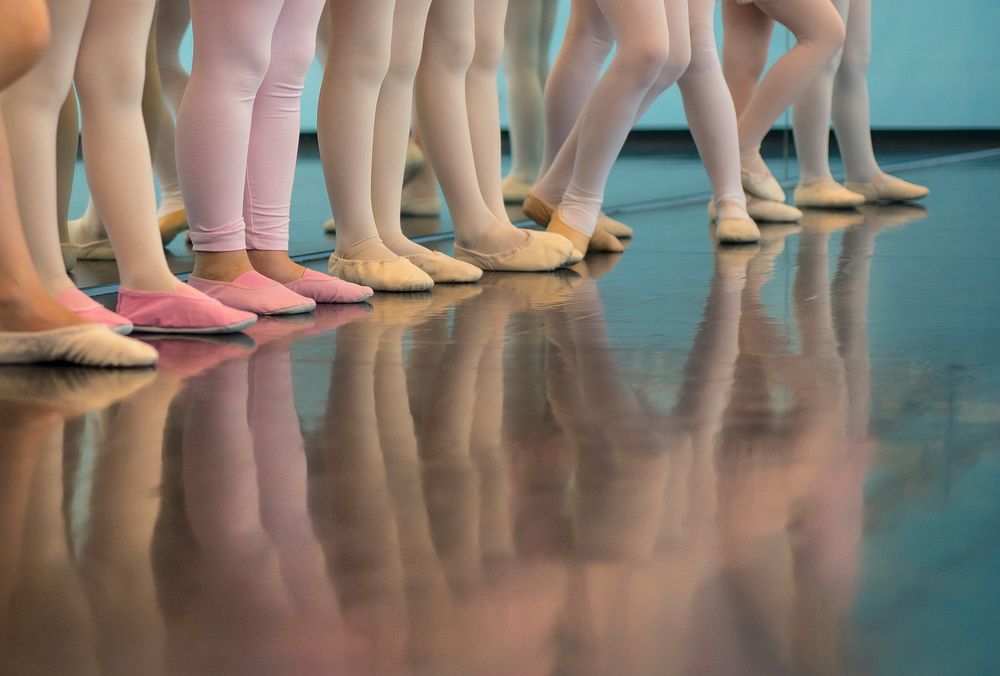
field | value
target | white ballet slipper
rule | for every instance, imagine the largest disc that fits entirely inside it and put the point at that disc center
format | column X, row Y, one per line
column 540, row 252
column 736, row 231
column 82, row 344
column 330, row 226
column 764, row 186
column 886, row 188
column 766, row 211
column 515, row 190
column 826, row 193
column 444, row 269
column 87, row 249
column 399, row 275
column 423, row 207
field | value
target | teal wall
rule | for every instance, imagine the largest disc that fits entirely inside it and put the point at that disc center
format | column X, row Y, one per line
column 931, row 68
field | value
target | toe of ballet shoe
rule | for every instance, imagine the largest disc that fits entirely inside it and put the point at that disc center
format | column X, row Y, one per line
column 888, row 188
column 764, row 186
column 736, row 231
column 604, row 242
column 68, row 255
column 83, row 344
column 615, row 227
column 253, row 292
column 183, row 309
column 445, row 269
column 426, row 207
column 330, row 226
column 574, row 257
column 88, row 309
column 397, row 276
column 326, row 289
column 99, row 250
column 537, row 209
column 515, row 190
column 539, row 252
column 826, row 194
column 768, row 211
column 172, row 224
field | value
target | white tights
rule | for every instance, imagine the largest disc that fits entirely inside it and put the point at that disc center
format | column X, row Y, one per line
column 104, row 41
column 653, row 50
column 841, row 91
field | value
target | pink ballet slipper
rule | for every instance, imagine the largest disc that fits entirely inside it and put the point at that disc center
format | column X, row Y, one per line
column 256, row 293
column 326, row 289
column 85, row 307
column 181, row 310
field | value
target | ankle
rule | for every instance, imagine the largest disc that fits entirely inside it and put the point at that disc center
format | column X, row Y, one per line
column 275, row 264
column 221, row 266
column 400, row 245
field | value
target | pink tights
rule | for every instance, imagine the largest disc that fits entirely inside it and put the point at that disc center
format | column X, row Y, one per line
column 238, row 125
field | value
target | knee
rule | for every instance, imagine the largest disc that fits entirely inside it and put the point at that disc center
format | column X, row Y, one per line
column 292, row 63
column 24, row 42
column 678, row 62
column 450, row 53
column 854, row 62
column 829, row 35
column 643, row 61
column 100, row 79
column 488, row 52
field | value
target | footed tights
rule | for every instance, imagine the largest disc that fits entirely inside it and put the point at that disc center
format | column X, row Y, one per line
column 819, row 34
column 841, row 90
column 238, row 127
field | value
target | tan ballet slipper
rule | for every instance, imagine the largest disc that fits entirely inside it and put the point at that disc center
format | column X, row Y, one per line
column 886, row 188
column 444, row 269
column 398, row 276
column 539, row 252
column 172, row 224
column 826, row 194
column 515, row 190
column 423, row 207
column 540, row 211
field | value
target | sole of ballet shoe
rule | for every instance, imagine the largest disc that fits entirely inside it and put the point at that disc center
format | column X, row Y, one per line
column 101, row 250
column 736, row 231
column 826, row 195
column 889, row 189
column 428, row 207
column 395, row 276
column 604, row 242
column 764, row 186
column 68, row 255
column 444, row 269
column 172, row 224
column 83, row 344
column 330, row 226
column 515, row 190
column 537, row 210
column 540, row 252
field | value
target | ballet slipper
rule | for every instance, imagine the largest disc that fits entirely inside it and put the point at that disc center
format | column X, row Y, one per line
column 604, row 242
column 766, row 211
column 398, row 276
column 574, row 258
column 325, row 289
column 83, row 344
column 99, row 250
column 444, row 269
column 85, row 307
column 616, row 228
column 330, row 226
column 736, row 231
column 886, row 188
column 172, row 224
column 764, row 186
column 71, row 390
column 539, row 252
column 68, row 255
column 515, row 190
column 826, row 193
column 185, row 309
column 253, row 292
column 582, row 243
column 421, row 207
column 187, row 356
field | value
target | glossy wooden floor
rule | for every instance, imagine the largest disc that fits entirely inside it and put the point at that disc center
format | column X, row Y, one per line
column 773, row 460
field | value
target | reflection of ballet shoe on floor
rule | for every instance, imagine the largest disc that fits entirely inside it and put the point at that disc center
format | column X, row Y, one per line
column 83, row 344
column 187, row 356
column 830, row 221
column 772, row 237
column 330, row 317
column 539, row 291
column 595, row 267
column 70, row 390
column 886, row 188
column 421, row 207
column 892, row 215
column 515, row 190
column 172, row 224
column 539, row 252
column 444, row 269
